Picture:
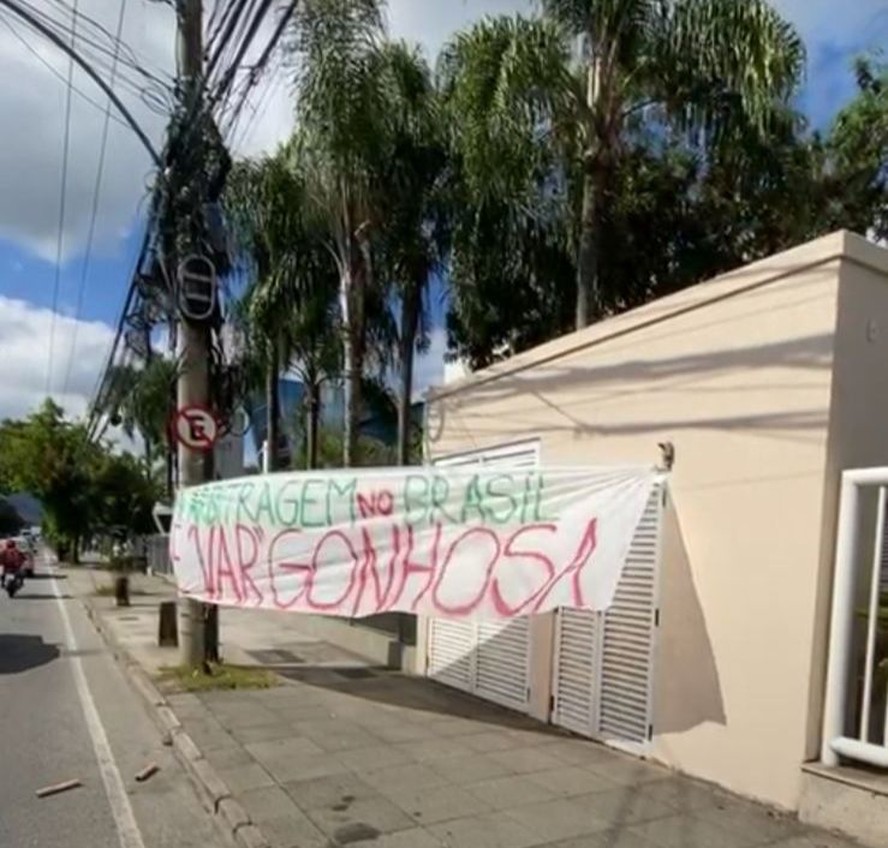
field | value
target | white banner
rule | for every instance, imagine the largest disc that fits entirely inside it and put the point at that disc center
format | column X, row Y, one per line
column 446, row 542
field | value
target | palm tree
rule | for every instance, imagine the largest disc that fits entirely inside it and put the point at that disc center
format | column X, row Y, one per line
column 289, row 310
column 141, row 401
column 343, row 138
column 702, row 66
column 413, row 241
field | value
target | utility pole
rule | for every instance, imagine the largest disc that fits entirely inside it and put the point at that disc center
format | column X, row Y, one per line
column 193, row 337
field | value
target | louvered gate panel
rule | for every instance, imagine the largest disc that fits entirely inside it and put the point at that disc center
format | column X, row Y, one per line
column 489, row 659
column 501, row 659
column 452, row 653
column 628, row 637
column 575, row 675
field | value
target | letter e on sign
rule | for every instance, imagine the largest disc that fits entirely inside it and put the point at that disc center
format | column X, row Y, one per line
column 196, row 428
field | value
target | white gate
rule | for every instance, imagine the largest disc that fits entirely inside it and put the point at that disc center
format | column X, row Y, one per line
column 603, row 666
column 855, row 714
column 490, row 659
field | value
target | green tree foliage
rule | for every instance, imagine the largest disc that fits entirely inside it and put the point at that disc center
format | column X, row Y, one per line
column 289, row 311
column 554, row 170
column 524, row 100
column 83, row 486
column 141, row 400
column 858, row 145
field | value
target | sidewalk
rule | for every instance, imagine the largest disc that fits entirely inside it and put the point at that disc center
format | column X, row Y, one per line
column 344, row 753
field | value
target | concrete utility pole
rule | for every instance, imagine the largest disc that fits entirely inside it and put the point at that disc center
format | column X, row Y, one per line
column 193, row 337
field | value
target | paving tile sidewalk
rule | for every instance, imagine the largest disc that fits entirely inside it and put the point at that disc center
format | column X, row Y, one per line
column 342, row 753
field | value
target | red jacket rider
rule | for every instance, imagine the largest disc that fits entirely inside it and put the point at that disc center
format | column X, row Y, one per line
column 11, row 560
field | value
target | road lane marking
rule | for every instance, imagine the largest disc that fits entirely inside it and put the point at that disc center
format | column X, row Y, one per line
column 125, row 821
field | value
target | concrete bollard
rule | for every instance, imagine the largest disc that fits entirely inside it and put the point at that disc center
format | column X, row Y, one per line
column 168, row 627
column 121, row 591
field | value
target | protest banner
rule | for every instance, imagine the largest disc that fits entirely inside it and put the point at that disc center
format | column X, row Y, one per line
column 454, row 542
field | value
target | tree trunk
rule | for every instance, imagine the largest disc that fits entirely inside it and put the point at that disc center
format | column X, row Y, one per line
column 352, row 290
column 353, row 366
column 312, row 421
column 588, row 296
column 410, row 308
column 588, row 293
column 273, row 409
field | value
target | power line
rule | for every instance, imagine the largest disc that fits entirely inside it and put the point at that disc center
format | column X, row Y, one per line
column 105, row 41
column 59, row 76
column 95, row 205
column 260, row 66
column 146, row 85
column 61, row 238
column 129, row 297
column 20, row 11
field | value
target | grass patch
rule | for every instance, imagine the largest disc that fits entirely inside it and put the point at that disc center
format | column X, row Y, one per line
column 222, row 676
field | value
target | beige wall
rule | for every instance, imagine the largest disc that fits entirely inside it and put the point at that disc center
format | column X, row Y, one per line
column 858, row 435
column 737, row 374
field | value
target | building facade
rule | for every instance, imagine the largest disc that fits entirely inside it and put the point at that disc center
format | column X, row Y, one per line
column 766, row 383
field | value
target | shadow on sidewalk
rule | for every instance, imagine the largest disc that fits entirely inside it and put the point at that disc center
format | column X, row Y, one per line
column 24, row 595
column 393, row 688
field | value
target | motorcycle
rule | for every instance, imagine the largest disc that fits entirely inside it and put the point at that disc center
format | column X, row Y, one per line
column 14, row 582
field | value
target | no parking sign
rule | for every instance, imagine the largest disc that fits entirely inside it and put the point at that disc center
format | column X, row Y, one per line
column 196, row 428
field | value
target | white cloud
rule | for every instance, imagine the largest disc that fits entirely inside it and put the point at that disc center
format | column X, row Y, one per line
column 25, row 333
column 34, row 120
column 31, row 153
column 30, row 156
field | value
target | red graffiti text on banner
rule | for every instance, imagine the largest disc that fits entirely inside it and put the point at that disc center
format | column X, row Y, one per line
column 355, row 572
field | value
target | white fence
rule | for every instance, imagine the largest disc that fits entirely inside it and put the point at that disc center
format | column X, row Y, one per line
column 856, row 708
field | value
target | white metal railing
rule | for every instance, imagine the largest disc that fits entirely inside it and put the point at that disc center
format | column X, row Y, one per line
column 855, row 720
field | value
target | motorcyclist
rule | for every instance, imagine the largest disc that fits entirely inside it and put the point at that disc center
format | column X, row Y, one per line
column 11, row 561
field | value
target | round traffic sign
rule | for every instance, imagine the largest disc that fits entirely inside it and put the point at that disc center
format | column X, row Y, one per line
column 196, row 428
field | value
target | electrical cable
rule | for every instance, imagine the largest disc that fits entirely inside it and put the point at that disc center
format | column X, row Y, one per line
column 95, row 209
column 257, row 112
column 236, row 17
column 95, row 412
column 126, row 54
column 222, row 90
column 143, row 84
column 217, row 21
column 261, row 65
column 64, row 189
column 20, row 10
column 9, row 25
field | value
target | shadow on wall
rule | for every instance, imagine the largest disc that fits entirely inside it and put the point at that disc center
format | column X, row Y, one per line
column 804, row 353
column 690, row 374
column 687, row 690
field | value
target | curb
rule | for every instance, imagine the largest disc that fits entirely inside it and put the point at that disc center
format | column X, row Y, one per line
column 228, row 814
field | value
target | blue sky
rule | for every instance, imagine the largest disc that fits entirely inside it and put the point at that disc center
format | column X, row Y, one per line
column 30, row 163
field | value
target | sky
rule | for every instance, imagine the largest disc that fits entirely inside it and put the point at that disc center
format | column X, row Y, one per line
column 63, row 350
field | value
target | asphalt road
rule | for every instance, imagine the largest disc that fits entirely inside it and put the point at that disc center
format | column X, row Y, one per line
column 67, row 712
